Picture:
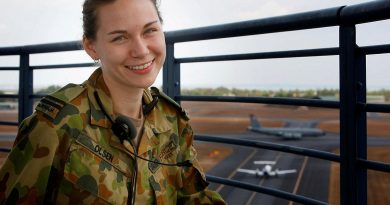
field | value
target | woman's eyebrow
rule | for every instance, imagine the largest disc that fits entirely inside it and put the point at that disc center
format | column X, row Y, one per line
column 124, row 31
column 150, row 23
column 117, row 32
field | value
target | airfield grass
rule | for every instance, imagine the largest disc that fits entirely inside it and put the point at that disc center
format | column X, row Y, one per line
column 221, row 118
column 377, row 182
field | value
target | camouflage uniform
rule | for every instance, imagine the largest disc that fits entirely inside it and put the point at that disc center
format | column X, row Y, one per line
column 66, row 153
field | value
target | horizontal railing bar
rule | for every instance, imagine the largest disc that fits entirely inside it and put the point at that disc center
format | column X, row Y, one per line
column 306, row 20
column 42, row 48
column 38, row 95
column 265, row 190
column 365, row 12
column 76, row 65
column 9, row 68
column 2, row 149
column 384, row 108
column 265, row 55
column 378, row 166
column 375, row 49
column 264, row 100
column 355, row 14
column 17, row 96
column 271, row 146
column 9, row 96
column 9, row 123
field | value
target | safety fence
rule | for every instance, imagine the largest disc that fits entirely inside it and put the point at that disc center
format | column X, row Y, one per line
column 352, row 81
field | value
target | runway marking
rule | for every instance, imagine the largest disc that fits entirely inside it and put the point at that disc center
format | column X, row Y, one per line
column 261, row 182
column 299, row 178
column 235, row 170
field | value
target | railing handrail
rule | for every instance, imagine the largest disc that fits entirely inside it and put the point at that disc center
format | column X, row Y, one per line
column 360, row 13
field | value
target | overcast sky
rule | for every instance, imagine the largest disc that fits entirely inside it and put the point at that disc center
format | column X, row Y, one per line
column 47, row 21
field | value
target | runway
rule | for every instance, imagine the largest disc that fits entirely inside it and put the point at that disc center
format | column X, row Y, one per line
column 311, row 179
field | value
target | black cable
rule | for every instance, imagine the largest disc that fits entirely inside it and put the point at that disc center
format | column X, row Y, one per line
column 135, row 175
column 125, row 130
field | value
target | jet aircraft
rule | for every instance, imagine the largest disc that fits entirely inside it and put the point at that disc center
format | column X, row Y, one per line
column 267, row 170
column 288, row 133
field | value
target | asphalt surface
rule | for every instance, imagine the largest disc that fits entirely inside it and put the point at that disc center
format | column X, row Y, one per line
column 311, row 179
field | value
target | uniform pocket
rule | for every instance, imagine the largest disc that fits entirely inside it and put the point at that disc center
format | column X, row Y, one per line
column 89, row 171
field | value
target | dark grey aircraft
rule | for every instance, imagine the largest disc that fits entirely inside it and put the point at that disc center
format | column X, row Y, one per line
column 288, row 133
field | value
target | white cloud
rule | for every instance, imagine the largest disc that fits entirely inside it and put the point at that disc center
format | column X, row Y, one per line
column 40, row 21
column 268, row 9
column 3, row 29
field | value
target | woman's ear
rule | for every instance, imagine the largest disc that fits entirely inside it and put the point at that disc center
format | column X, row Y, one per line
column 89, row 47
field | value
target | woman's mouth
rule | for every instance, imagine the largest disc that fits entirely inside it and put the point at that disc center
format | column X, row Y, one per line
column 140, row 67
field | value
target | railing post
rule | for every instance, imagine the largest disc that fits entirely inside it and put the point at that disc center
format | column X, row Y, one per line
column 25, row 87
column 171, row 73
column 361, row 127
column 352, row 119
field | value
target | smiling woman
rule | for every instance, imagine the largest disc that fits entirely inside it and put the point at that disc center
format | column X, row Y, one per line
column 111, row 139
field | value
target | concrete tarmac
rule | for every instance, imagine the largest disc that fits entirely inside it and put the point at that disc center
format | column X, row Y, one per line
column 311, row 179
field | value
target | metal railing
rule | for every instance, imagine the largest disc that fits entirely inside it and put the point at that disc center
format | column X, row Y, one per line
column 352, row 69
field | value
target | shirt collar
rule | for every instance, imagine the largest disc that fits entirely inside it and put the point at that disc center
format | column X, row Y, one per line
column 155, row 119
column 96, row 84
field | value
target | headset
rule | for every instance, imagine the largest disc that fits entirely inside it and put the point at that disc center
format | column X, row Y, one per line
column 125, row 130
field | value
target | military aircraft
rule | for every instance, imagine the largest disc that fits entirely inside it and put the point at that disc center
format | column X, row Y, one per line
column 288, row 133
column 267, row 170
column 8, row 105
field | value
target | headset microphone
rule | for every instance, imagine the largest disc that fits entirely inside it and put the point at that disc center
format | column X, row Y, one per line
column 124, row 129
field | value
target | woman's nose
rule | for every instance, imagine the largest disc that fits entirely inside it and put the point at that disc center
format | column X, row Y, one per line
column 139, row 48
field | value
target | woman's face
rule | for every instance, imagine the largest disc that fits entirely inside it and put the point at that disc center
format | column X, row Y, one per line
column 129, row 42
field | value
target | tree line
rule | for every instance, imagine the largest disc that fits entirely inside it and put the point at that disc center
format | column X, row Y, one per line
column 223, row 91
column 309, row 93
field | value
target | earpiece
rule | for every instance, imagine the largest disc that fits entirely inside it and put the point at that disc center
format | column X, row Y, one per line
column 123, row 128
column 149, row 107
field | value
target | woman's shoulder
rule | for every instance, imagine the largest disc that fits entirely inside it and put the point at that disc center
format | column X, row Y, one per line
column 169, row 102
column 67, row 100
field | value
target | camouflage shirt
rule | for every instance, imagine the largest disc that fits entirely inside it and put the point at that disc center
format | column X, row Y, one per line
column 66, row 153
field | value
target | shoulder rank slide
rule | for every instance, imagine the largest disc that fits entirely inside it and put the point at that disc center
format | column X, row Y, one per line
column 50, row 106
column 156, row 91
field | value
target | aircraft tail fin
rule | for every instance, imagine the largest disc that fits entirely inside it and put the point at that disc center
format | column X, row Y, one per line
column 254, row 122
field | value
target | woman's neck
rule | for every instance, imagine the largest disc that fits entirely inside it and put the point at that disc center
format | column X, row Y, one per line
column 126, row 101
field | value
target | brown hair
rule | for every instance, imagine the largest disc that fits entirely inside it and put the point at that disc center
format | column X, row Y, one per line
column 90, row 8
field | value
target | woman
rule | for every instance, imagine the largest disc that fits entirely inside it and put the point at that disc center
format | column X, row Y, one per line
column 80, row 145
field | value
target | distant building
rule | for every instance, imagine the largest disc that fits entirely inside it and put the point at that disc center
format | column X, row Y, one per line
column 376, row 99
column 329, row 97
column 370, row 98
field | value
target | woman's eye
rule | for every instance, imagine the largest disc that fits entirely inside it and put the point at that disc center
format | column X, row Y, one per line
column 119, row 39
column 150, row 31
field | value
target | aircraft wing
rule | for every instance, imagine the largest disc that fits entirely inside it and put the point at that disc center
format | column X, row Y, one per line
column 264, row 162
column 289, row 171
column 250, row 171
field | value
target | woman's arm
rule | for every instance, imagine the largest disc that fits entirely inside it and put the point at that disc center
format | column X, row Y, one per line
column 193, row 182
column 30, row 167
